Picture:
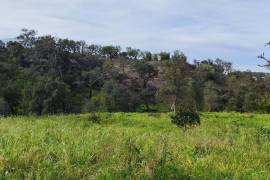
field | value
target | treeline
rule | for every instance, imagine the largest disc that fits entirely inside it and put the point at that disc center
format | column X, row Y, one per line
column 47, row 75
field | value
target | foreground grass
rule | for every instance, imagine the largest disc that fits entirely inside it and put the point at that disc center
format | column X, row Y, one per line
column 135, row 146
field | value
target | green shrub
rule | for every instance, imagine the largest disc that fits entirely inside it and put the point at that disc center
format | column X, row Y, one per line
column 94, row 118
column 182, row 119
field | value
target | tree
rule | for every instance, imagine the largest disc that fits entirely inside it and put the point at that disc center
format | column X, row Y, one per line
column 146, row 73
column 16, row 54
column 117, row 97
column 47, row 75
column 211, row 97
column 133, row 53
column 209, row 83
column 110, row 51
column 4, row 108
column 265, row 59
column 93, row 50
column 27, row 38
column 2, row 45
column 177, row 87
column 148, row 96
column 51, row 97
column 164, row 56
column 264, row 102
column 176, row 78
column 147, row 56
column 12, row 97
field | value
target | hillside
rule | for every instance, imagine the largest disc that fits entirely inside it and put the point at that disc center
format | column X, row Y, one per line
column 134, row 146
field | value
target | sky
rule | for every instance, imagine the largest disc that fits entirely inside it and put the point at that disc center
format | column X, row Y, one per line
column 233, row 30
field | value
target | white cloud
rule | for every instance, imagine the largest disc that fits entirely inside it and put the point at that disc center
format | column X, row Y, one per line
column 230, row 29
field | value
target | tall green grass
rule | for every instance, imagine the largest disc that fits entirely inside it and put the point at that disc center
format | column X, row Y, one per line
column 135, row 146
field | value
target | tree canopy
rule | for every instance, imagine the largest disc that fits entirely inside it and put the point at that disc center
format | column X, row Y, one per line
column 50, row 75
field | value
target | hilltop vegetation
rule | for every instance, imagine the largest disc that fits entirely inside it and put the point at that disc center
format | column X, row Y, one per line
column 136, row 146
column 49, row 75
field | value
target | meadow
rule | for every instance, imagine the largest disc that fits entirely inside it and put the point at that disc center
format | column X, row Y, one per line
column 135, row 146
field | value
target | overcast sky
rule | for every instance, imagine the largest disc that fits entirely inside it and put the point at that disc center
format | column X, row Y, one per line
column 234, row 30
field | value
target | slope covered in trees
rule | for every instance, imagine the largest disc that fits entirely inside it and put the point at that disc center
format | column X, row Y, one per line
column 48, row 75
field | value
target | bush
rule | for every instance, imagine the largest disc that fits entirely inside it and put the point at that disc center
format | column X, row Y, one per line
column 183, row 119
column 94, row 118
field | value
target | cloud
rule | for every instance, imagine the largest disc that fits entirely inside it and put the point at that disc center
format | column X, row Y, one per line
column 231, row 29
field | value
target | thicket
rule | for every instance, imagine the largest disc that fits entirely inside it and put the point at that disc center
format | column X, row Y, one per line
column 49, row 75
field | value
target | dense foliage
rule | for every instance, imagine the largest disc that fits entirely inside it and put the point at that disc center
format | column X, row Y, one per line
column 48, row 75
column 186, row 118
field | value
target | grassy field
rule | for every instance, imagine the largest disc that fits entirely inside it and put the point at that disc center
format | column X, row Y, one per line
column 135, row 146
